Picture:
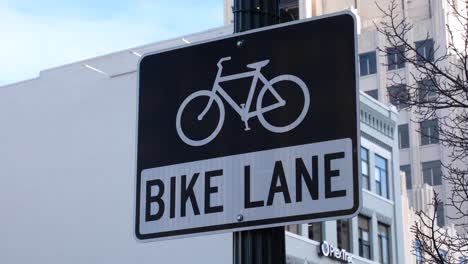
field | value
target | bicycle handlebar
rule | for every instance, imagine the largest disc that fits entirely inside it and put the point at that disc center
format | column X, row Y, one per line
column 222, row 60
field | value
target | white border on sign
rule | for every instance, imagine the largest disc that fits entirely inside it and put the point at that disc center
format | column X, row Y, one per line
column 358, row 140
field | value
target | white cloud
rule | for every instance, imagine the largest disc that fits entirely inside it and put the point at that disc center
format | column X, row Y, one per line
column 30, row 43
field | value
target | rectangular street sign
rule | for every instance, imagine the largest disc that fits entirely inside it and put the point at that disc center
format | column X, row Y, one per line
column 249, row 131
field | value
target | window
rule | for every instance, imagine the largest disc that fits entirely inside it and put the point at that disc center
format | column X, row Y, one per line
column 443, row 253
column 432, row 173
column 403, row 136
column 315, row 231
column 407, row 170
column 365, row 168
column 373, row 93
column 367, row 63
column 417, row 251
column 398, row 95
column 429, row 132
column 342, row 233
column 427, row 92
column 289, row 10
column 440, row 215
column 384, row 244
column 381, row 176
column 296, row 229
column 425, row 49
column 364, row 237
column 395, row 58
column 462, row 260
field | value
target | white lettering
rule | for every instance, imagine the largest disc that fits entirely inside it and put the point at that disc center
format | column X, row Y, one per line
column 331, row 251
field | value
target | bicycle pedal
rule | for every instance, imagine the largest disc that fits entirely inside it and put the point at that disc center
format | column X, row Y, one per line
column 247, row 129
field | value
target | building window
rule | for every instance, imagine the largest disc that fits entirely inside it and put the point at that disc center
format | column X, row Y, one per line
column 443, row 253
column 396, row 58
column 315, row 231
column 367, row 63
column 425, row 49
column 427, row 92
column 407, row 170
column 289, row 10
column 381, row 176
column 440, row 215
column 365, row 168
column 403, row 136
column 342, row 233
column 429, row 132
column 384, row 244
column 432, row 173
column 398, row 96
column 417, row 251
column 373, row 93
column 296, row 229
column 364, row 237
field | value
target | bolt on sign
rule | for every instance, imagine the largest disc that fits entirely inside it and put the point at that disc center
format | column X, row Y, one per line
column 254, row 130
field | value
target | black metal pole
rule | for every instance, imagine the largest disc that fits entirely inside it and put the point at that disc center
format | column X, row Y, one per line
column 261, row 246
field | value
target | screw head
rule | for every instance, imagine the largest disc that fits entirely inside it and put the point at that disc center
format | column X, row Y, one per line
column 239, row 218
column 240, row 43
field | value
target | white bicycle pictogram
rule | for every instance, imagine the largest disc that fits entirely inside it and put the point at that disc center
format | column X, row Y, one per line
column 244, row 109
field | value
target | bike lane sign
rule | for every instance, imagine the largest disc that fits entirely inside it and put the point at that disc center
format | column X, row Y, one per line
column 253, row 130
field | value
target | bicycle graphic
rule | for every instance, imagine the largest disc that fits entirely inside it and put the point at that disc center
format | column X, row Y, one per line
column 244, row 109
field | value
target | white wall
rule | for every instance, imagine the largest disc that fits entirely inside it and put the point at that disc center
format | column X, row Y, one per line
column 67, row 144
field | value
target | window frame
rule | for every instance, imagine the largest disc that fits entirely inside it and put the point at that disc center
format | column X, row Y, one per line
column 398, row 95
column 371, row 68
column 440, row 214
column 403, row 128
column 430, row 94
column 371, row 93
column 381, row 237
column 418, row 251
column 339, row 232
column 366, row 183
column 378, row 172
column 429, row 132
column 320, row 225
column 395, row 58
column 364, row 243
column 425, row 50
column 432, row 166
column 409, row 181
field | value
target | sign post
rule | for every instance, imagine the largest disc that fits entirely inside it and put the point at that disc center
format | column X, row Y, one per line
column 251, row 131
column 259, row 245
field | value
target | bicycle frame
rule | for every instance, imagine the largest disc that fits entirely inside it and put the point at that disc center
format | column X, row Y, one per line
column 244, row 110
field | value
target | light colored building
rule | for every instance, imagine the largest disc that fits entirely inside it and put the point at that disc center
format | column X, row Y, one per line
column 420, row 156
column 374, row 235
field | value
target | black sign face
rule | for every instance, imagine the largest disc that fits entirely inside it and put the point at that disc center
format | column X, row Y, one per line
column 253, row 130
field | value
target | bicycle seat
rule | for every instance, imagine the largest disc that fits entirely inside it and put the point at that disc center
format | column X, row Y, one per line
column 258, row 64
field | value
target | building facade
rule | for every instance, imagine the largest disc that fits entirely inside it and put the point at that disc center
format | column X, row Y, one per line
column 421, row 155
column 373, row 236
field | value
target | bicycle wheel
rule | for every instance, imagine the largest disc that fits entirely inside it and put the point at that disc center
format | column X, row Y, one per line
column 196, row 96
column 297, row 84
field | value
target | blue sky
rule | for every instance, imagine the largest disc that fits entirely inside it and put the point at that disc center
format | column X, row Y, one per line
column 40, row 34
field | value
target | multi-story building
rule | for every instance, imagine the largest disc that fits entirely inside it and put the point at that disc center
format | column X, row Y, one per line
column 421, row 155
column 373, row 236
